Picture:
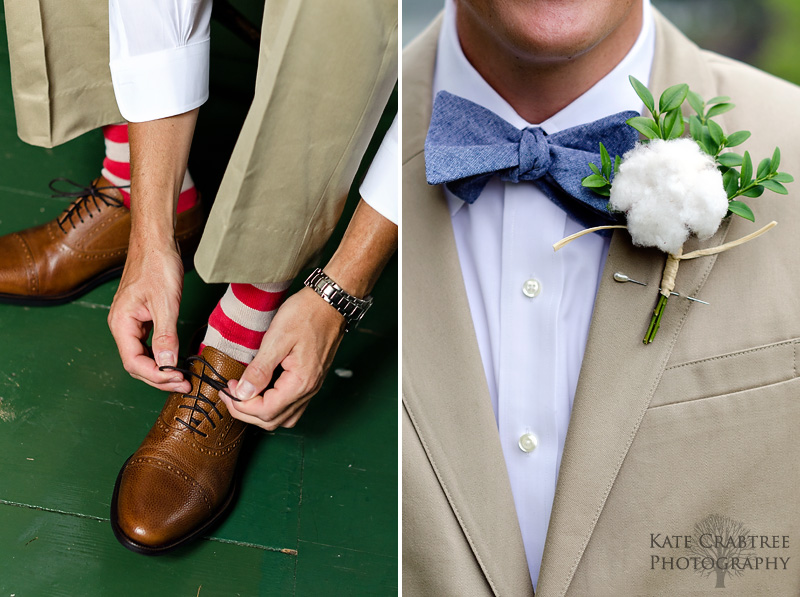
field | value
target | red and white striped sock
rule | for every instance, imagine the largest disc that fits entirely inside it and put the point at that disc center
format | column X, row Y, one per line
column 117, row 167
column 242, row 316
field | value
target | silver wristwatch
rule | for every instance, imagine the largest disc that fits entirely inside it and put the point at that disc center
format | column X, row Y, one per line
column 352, row 308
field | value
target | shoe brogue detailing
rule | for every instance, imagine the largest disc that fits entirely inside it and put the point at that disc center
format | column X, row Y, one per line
column 174, row 470
column 81, row 252
column 100, row 201
column 217, row 413
column 84, row 197
column 227, row 428
column 82, row 244
column 194, row 444
column 30, row 263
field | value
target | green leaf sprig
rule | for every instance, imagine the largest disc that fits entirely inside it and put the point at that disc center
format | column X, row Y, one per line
column 667, row 122
column 600, row 180
column 738, row 183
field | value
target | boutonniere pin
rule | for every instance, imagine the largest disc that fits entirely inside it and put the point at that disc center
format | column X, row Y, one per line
column 670, row 187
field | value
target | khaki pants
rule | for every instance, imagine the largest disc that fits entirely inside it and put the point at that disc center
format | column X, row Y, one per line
column 326, row 70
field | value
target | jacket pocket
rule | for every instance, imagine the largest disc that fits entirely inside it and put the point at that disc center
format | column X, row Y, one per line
column 728, row 373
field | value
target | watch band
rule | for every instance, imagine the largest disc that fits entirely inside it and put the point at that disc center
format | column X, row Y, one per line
column 351, row 307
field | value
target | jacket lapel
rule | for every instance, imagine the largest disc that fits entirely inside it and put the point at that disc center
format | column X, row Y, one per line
column 449, row 404
column 619, row 374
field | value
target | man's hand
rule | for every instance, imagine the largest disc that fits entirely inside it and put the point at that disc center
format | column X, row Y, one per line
column 148, row 299
column 306, row 331
column 302, row 338
column 149, row 293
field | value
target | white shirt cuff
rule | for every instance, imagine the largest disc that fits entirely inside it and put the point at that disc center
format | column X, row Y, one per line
column 380, row 186
column 161, row 84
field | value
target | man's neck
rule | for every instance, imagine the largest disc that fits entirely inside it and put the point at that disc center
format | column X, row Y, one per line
column 538, row 88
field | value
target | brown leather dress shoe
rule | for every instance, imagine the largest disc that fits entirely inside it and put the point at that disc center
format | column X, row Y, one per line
column 181, row 479
column 85, row 246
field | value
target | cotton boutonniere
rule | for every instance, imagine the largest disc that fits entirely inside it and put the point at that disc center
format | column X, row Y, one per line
column 671, row 187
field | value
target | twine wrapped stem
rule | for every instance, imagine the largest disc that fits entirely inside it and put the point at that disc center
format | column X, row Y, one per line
column 667, row 286
column 670, row 268
column 670, row 272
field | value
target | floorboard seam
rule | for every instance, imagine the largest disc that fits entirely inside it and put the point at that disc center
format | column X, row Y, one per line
column 354, row 550
column 299, row 508
column 92, row 305
column 283, row 550
column 53, row 510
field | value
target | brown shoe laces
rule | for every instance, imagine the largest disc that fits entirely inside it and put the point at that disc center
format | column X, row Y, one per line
column 219, row 385
column 83, row 195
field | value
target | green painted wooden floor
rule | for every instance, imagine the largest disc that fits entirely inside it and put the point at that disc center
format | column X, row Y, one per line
column 317, row 514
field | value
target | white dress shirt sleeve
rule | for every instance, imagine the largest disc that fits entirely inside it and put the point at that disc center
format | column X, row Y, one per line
column 159, row 53
column 380, row 186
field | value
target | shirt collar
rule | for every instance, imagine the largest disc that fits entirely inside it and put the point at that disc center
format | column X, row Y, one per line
column 611, row 94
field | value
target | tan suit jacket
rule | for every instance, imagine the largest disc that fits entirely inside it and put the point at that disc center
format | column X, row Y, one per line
column 703, row 421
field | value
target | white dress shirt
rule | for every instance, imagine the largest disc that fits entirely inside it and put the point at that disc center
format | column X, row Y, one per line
column 159, row 61
column 531, row 307
column 381, row 186
column 159, row 52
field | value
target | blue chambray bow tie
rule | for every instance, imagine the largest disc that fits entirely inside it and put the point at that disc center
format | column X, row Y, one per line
column 468, row 144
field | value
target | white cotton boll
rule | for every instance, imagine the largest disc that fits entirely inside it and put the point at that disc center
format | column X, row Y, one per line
column 669, row 190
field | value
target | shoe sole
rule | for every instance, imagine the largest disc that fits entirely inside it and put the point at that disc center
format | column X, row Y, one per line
column 147, row 550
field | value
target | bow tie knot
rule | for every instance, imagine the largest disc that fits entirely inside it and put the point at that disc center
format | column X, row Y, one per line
column 467, row 145
column 534, row 156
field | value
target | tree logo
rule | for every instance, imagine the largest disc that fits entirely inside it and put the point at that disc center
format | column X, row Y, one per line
column 723, row 541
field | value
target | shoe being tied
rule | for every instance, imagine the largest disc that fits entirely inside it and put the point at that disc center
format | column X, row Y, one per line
column 86, row 245
column 181, row 479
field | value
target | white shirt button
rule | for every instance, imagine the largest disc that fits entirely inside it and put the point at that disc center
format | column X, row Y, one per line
column 532, row 288
column 528, row 442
